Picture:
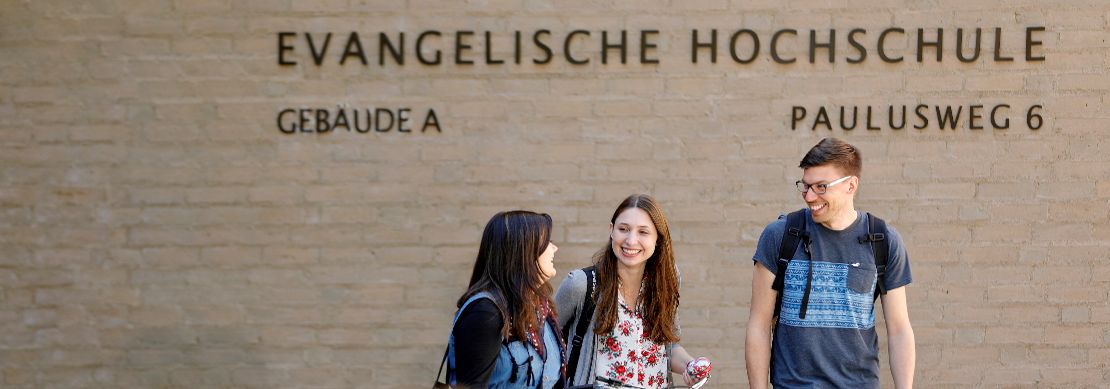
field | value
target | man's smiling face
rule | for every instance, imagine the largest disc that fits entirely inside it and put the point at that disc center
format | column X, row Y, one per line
column 836, row 203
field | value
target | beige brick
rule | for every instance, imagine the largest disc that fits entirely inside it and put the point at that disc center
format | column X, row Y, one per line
column 957, row 375
column 988, row 255
column 1005, row 191
column 702, row 5
column 1098, row 355
column 948, row 191
column 964, row 355
column 1082, row 335
column 1072, row 376
column 1026, row 212
column 639, row 86
column 956, row 294
column 1014, row 293
column 702, row 171
column 935, row 83
column 994, row 83
column 1030, row 314
column 216, row 195
column 1007, row 273
column 1011, row 376
column 476, row 109
column 1076, row 314
column 918, row 149
column 959, row 170
column 765, row 86
column 461, row 87
column 1078, row 253
column 578, row 87
column 620, row 108
column 1074, row 126
column 682, row 108
column 1017, row 170
column 1059, row 356
column 284, row 195
column 1001, row 233
column 1066, row 190
column 1063, row 232
column 1087, row 170
column 1081, row 38
column 888, row 191
column 693, row 86
column 1076, row 294
column 520, row 87
column 970, row 313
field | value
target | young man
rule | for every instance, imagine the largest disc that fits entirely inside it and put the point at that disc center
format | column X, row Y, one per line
column 825, row 335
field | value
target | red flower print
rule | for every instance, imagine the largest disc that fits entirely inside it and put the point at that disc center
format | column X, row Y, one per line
column 626, row 328
column 643, row 360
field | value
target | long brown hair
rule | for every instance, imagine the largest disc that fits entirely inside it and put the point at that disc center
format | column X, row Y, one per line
column 507, row 268
column 660, row 299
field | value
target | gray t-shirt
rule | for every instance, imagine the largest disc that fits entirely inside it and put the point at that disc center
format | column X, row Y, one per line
column 835, row 346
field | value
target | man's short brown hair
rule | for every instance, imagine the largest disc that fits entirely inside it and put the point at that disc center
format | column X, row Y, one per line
column 835, row 152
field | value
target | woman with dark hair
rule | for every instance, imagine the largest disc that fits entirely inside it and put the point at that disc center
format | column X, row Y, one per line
column 504, row 334
column 629, row 301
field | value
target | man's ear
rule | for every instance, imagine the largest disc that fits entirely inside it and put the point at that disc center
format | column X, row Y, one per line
column 853, row 185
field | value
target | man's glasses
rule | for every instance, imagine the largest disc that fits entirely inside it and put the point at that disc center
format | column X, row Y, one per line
column 817, row 188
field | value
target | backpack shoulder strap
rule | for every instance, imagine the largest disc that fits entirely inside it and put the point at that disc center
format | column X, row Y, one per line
column 588, row 305
column 791, row 238
column 475, row 297
column 880, row 247
column 438, row 384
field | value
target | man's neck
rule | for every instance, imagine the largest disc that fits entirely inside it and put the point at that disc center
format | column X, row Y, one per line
column 843, row 220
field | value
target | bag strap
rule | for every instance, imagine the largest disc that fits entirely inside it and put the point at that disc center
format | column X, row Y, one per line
column 475, row 297
column 588, row 306
column 438, row 384
column 791, row 238
column 880, row 246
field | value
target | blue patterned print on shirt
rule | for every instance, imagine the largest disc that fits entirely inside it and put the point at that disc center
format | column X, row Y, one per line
column 831, row 303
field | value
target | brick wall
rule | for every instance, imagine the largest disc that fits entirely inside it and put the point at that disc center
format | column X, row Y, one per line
column 158, row 230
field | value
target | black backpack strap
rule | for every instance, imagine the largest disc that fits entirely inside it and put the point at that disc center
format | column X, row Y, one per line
column 440, row 385
column 588, row 305
column 880, row 246
column 795, row 229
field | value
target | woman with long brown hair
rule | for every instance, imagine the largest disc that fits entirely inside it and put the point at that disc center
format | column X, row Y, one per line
column 505, row 334
column 620, row 316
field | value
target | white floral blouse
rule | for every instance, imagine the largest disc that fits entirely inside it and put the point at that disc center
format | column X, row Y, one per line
column 627, row 355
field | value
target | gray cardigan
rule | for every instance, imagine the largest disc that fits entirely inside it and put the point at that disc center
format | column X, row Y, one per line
column 568, row 301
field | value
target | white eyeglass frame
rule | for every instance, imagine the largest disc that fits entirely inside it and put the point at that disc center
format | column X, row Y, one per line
column 824, row 187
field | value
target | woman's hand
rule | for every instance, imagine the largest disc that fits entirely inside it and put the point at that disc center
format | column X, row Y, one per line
column 696, row 370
